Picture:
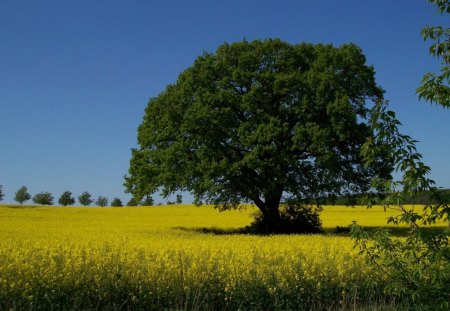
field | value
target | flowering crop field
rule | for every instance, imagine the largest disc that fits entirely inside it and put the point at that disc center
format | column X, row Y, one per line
column 179, row 257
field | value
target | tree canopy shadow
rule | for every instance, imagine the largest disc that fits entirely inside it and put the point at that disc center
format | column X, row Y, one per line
column 216, row 231
column 17, row 206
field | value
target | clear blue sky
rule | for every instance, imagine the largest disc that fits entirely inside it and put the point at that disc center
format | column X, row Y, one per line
column 75, row 76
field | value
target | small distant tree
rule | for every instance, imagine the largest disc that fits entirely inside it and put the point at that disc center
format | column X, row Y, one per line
column 132, row 202
column 43, row 198
column 116, row 202
column 148, row 201
column 179, row 199
column 1, row 193
column 101, row 201
column 22, row 195
column 66, row 199
column 85, row 198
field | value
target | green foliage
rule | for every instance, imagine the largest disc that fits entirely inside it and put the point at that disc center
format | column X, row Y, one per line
column 85, row 198
column 132, row 202
column 425, row 197
column 43, row 198
column 179, row 199
column 295, row 218
column 435, row 87
column 419, row 266
column 259, row 121
column 22, row 195
column 66, row 199
column 116, row 202
column 1, row 193
column 101, row 201
column 147, row 201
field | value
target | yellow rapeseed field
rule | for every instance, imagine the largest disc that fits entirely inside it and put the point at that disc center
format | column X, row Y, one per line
column 179, row 257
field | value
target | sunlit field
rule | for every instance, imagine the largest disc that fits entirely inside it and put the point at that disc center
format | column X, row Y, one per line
column 181, row 257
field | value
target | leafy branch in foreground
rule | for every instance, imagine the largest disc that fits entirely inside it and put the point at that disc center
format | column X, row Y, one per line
column 436, row 86
column 419, row 265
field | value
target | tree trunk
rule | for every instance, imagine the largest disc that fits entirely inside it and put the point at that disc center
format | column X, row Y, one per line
column 271, row 218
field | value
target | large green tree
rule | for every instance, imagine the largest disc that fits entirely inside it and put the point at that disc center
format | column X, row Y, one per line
column 1, row 192
column 435, row 87
column 262, row 122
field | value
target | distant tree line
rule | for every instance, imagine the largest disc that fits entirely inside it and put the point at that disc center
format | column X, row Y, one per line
column 67, row 199
column 424, row 198
column 1, row 193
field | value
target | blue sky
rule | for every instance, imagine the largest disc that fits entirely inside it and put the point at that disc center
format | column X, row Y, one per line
column 75, row 76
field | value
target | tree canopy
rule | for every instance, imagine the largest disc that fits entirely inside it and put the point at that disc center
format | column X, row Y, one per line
column 101, row 201
column 43, row 198
column 85, row 198
column 22, row 195
column 66, row 199
column 262, row 122
column 132, row 202
column 116, row 202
